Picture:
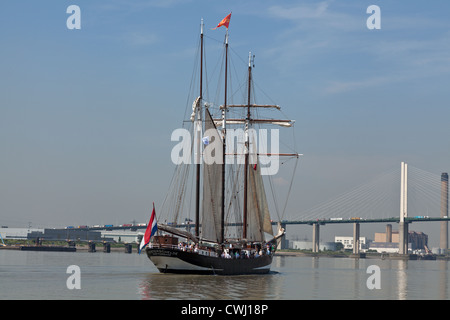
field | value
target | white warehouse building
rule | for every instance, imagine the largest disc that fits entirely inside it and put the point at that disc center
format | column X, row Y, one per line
column 307, row 245
column 348, row 242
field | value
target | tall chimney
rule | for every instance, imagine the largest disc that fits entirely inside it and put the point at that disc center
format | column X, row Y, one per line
column 389, row 233
column 444, row 211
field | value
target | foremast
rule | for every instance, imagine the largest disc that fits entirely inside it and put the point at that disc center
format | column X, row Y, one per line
column 224, row 126
column 247, row 148
column 198, row 130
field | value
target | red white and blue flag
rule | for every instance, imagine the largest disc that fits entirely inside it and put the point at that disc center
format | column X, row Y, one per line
column 152, row 227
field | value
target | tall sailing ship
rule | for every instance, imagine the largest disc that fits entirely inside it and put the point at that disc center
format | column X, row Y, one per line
column 211, row 248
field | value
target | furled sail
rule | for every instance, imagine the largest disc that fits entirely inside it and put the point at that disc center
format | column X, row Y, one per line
column 212, row 177
column 179, row 232
column 258, row 216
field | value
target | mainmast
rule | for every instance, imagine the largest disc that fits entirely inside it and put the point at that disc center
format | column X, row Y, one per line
column 247, row 147
column 224, row 112
column 198, row 132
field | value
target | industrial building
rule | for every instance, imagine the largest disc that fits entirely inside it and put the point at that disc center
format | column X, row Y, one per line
column 123, row 236
column 67, row 234
column 53, row 234
column 389, row 241
column 17, row 233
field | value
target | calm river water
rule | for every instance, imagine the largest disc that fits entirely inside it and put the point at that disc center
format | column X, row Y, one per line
column 115, row 275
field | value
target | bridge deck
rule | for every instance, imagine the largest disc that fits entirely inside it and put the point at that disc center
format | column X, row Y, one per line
column 291, row 222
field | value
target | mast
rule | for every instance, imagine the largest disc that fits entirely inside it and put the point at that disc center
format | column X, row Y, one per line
column 199, row 118
column 224, row 111
column 247, row 148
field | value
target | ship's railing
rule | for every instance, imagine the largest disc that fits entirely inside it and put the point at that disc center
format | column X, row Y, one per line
column 161, row 245
column 207, row 253
column 203, row 252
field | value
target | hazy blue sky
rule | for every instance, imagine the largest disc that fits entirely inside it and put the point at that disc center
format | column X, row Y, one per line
column 86, row 115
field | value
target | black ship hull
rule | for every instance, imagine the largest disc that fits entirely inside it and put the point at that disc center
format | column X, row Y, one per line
column 170, row 260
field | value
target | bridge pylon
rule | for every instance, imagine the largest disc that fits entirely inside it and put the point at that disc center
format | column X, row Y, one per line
column 443, row 241
column 316, row 237
column 404, row 192
column 356, row 242
column 403, row 225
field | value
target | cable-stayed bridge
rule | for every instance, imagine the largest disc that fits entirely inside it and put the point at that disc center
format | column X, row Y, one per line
column 380, row 199
column 402, row 195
